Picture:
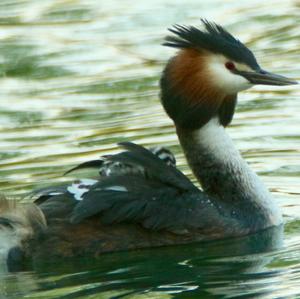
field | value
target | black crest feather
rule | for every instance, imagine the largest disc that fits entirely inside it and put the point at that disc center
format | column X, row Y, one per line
column 214, row 38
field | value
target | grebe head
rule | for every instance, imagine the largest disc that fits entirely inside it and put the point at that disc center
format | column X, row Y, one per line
column 203, row 79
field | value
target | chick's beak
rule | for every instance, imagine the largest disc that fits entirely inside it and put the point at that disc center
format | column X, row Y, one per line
column 263, row 77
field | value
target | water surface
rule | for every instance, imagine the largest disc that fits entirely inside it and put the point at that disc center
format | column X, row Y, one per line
column 79, row 76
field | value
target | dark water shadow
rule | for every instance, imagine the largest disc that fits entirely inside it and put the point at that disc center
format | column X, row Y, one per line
column 218, row 269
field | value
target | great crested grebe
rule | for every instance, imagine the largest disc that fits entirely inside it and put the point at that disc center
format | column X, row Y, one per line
column 140, row 198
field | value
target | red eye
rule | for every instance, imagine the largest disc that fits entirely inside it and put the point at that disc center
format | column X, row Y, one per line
column 230, row 65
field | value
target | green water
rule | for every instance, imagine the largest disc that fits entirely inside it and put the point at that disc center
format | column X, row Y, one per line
column 79, row 76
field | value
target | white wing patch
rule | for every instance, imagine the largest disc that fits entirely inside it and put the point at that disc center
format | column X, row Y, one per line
column 54, row 193
column 80, row 187
column 116, row 188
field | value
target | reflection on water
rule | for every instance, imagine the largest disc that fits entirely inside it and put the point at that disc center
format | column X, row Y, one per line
column 79, row 76
column 181, row 270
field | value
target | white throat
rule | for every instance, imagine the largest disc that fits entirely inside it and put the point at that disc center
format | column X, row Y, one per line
column 215, row 139
column 219, row 162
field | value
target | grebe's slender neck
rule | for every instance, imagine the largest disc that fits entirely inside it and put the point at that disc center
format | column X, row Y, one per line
column 199, row 88
column 225, row 175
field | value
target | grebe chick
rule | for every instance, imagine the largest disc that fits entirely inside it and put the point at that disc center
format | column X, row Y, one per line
column 140, row 198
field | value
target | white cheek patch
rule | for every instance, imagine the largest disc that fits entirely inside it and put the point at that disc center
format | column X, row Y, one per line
column 223, row 78
column 80, row 187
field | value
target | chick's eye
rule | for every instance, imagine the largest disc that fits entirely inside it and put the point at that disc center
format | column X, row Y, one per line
column 230, row 65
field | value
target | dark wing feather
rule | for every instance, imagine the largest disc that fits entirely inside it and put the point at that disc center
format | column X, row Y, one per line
column 43, row 194
column 154, row 205
column 108, row 167
column 116, row 191
column 162, row 198
column 154, row 167
column 88, row 164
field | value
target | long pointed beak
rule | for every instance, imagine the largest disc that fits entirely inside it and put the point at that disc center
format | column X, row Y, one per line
column 265, row 78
